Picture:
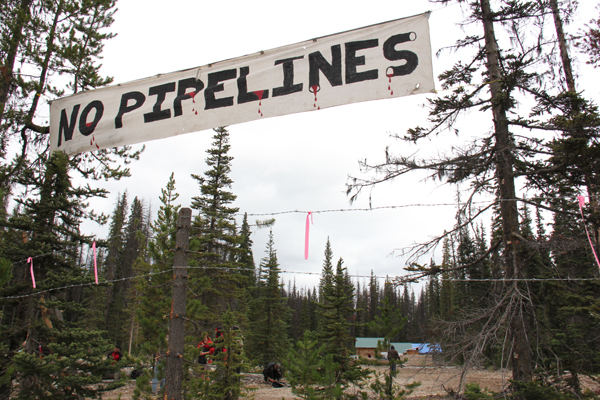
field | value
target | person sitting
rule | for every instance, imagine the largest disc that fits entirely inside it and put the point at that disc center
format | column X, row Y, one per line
column 116, row 354
column 272, row 373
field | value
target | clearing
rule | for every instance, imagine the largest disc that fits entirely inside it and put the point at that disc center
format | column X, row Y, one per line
column 435, row 380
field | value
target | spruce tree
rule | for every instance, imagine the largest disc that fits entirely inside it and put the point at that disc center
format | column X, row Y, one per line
column 337, row 309
column 114, row 255
column 304, row 364
column 267, row 313
column 52, row 39
column 154, row 283
column 122, row 309
column 59, row 358
column 214, row 240
column 246, row 258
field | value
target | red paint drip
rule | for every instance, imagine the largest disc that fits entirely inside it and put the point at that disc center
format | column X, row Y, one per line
column 390, row 83
column 315, row 88
column 259, row 93
column 193, row 96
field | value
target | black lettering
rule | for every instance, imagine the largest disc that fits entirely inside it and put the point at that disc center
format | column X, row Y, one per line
column 161, row 93
column 64, row 127
column 243, row 95
column 288, row 78
column 87, row 128
column 333, row 71
column 352, row 61
column 213, row 86
column 182, row 86
column 390, row 52
column 139, row 99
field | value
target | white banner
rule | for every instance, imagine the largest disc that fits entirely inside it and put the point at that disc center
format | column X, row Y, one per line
column 381, row 61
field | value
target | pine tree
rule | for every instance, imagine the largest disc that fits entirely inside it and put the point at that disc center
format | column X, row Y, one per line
column 214, row 236
column 448, row 304
column 224, row 381
column 246, row 258
column 389, row 321
column 114, row 254
column 326, row 280
column 154, row 283
column 303, row 364
column 216, row 233
column 58, row 357
column 267, row 334
column 122, row 315
column 337, row 308
column 65, row 39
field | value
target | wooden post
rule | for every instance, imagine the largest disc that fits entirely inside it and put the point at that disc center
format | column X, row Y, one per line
column 174, row 373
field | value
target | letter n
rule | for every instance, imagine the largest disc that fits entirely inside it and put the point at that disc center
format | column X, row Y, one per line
column 65, row 127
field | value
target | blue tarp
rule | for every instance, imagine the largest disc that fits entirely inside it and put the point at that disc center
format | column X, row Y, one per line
column 427, row 348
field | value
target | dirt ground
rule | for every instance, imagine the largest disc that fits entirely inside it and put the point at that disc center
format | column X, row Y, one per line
column 435, row 381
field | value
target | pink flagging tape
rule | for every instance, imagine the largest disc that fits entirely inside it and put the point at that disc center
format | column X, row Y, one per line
column 30, row 260
column 95, row 264
column 306, row 234
column 581, row 204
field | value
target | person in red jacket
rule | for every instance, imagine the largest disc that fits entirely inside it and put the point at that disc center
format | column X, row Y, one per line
column 116, row 354
column 207, row 348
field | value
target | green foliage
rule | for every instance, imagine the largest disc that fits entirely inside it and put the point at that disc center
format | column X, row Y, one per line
column 224, row 381
column 5, row 271
column 143, row 387
column 153, row 287
column 303, row 366
column 330, row 382
column 474, row 392
column 215, row 242
column 536, row 390
column 76, row 365
column 387, row 389
column 268, row 312
column 314, row 374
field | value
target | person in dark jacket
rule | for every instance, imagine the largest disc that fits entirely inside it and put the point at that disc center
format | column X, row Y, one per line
column 272, row 373
column 394, row 357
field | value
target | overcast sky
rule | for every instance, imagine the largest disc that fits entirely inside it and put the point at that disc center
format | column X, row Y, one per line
column 295, row 162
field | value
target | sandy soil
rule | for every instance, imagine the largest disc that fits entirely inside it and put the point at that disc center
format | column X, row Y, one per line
column 435, row 381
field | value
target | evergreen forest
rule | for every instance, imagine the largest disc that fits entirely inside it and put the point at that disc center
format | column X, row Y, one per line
column 517, row 285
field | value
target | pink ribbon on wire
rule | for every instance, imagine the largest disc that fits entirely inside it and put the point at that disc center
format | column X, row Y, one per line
column 95, row 264
column 306, row 235
column 581, row 204
column 30, row 260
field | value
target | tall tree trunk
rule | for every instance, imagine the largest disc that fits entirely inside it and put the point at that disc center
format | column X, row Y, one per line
column 521, row 352
column 562, row 45
column 174, row 381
